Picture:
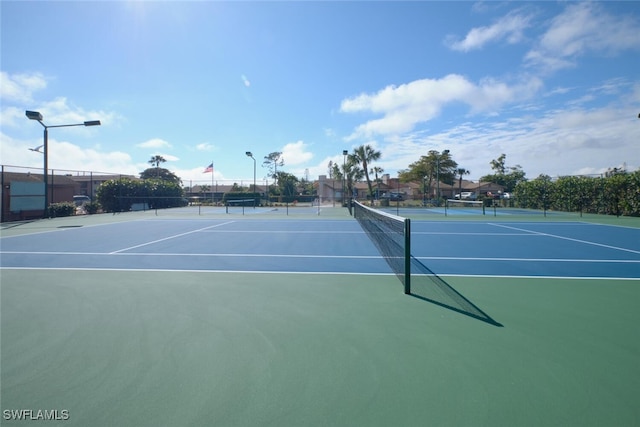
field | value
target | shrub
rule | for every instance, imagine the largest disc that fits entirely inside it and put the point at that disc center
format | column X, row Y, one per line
column 91, row 207
column 62, row 209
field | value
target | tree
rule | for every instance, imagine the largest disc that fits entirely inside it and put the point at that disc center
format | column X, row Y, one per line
column 204, row 189
column 461, row 172
column 306, row 187
column 535, row 194
column 272, row 161
column 364, row 155
column 509, row 180
column 156, row 160
column 498, row 165
column 350, row 172
column 615, row 193
column 377, row 171
column 119, row 195
column 287, row 184
column 160, row 173
column 434, row 165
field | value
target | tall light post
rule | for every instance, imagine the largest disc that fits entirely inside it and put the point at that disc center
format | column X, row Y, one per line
column 344, row 174
column 444, row 153
column 34, row 115
column 250, row 154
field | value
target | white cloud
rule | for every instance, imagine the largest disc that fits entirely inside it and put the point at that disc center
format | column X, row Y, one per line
column 205, row 146
column 20, row 87
column 12, row 117
column 154, row 143
column 558, row 143
column 583, row 27
column 296, row 153
column 59, row 111
column 509, row 28
column 419, row 101
column 245, row 81
column 329, row 133
column 65, row 156
column 170, row 157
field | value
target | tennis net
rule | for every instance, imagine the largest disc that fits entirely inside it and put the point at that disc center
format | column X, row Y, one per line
column 391, row 234
column 465, row 206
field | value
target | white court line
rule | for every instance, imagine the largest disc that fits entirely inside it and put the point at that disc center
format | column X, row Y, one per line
column 166, row 270
column 285, row 231
column 163, row 254
column 244, row 255
column 315, row 273
column 170, row 237
column 448, row 233
column 567, row 238
column 444, row 258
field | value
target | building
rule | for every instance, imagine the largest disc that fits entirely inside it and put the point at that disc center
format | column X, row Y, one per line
column 88, row 182
column 23, row 194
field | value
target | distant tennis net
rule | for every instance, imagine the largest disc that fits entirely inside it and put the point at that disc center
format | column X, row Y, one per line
column 391, row 234
column 239, row 203
column 465, row 206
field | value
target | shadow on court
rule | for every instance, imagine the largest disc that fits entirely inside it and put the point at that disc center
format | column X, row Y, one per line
column 428, row 286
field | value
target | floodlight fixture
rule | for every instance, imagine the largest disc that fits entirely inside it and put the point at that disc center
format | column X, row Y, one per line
column 34, row 115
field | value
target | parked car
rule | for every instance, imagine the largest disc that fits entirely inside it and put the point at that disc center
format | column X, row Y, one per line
column 394, row 196
column 81, row 200
column 466, row 195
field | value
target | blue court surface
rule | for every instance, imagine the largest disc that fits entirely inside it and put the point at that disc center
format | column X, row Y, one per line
column 514, row 249
column 294, row 318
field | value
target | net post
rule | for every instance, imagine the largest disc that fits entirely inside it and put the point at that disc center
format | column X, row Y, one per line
column 407, row 256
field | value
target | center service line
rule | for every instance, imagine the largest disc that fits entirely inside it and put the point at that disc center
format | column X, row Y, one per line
column 170, row 237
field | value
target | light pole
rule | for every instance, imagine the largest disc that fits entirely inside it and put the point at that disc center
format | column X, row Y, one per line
column 444, row 153
column 424, row 191
column 34, row 115
column 250, row 154
column 344, row 174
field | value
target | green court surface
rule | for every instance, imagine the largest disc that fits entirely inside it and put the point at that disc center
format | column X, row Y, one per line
column 186, row 348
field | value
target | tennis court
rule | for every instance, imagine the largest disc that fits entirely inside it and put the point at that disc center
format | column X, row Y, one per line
column 293, row 317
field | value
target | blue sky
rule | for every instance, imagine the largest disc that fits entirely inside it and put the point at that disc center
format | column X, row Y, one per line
column 553, row 85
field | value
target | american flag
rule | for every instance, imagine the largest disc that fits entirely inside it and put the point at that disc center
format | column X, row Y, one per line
column 209, row 168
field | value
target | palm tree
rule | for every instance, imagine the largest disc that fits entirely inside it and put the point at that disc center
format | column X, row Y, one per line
column 203, row 190
column 349, row 172
column 156, row 160
column 461, row 172
column 364, row 155
column 377, row 170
